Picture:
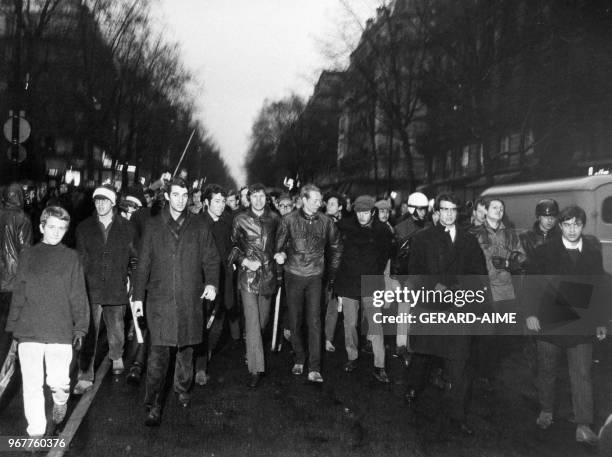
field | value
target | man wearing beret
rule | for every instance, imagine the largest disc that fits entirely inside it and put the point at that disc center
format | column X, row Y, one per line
column 366, row 250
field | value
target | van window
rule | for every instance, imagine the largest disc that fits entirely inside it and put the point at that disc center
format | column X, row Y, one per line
column 606, row 210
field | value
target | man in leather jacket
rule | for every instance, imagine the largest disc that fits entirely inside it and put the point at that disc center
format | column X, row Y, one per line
column 15, row 235
column 544, row 228
column 253, row 239
column 305, row 239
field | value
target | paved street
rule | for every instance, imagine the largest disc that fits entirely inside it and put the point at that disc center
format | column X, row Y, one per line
column 350, row 414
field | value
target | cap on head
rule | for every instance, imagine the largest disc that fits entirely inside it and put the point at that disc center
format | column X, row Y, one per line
column 134, row 201
column 364, row 203
column 547, row 207
column 105, row 191
column 383, row 204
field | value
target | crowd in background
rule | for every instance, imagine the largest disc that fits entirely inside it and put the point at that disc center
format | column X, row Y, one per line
column 324, row 243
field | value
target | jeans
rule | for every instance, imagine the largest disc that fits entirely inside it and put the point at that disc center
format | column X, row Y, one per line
column 304, row 293
column 350, row 308
column 256, row 315
column 56, row 359
column 579, row 364
column 113, row 320
column 157, row 370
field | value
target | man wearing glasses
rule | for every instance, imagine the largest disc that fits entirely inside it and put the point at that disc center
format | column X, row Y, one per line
column 442, row 257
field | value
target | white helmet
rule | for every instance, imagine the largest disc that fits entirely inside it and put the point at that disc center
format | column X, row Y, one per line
column 417, row 200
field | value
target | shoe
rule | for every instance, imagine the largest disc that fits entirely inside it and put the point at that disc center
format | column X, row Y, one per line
column 545, row 420
column 287, row 334
column 82, row 386
column 133, row 377
column 329, row 347
column 367, row 348
column 315, row 376
column 381, row 375
column 118, row 367
column 201, row 378
column 153, row 416
column 297, row 369
column 59, row 413
column 585, row 435
column 402, row 353
column 184, row 399
column 253, row 380
column 350, row 366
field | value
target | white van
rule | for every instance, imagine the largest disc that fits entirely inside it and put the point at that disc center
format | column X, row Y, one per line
column 592, row 193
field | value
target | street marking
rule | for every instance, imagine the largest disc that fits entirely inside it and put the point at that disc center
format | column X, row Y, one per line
column 80, row 411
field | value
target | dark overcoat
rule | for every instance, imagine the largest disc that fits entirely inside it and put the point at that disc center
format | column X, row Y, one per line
column 455, row 265
column 174, row 271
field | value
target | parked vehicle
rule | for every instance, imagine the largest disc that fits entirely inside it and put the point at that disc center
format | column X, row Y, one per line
column 592, row 193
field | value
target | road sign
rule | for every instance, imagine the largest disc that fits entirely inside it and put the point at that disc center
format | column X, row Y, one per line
column 24, row 129
column 19, row 157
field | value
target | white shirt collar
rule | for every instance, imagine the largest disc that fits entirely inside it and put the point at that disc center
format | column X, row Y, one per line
column 569, row 245
column 452, row 230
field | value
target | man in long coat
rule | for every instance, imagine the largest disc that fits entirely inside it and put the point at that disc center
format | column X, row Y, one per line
column 178, row 267
column 445, row 258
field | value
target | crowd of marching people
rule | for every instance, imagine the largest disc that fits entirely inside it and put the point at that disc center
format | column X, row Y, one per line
column 191, row 266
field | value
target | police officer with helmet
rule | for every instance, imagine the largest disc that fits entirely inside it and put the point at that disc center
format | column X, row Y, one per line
column 544, row 228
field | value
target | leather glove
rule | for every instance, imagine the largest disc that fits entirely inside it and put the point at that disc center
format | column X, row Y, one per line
column 77, row 342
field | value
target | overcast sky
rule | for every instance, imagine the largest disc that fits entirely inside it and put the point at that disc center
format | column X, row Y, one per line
column 244, row 51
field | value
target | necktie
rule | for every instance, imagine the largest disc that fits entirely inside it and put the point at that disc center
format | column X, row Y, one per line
column 449, row 234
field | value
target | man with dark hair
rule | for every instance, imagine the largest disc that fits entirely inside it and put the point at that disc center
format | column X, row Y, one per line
column 479, row 212
column 178, row 266
column 444, row 258
column 334, row 204
column 578, row 257
column 383, row 207
column 253, row 237
column 232, row 200
column 107, row 245
column 225, row 305
column 305, row 239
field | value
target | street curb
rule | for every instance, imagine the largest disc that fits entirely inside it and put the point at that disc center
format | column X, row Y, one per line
column 77, row 416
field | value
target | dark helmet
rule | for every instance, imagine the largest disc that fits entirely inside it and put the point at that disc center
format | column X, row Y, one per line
column 547, row 207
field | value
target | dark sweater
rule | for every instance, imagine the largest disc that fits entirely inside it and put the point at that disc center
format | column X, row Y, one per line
column 49, row 299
